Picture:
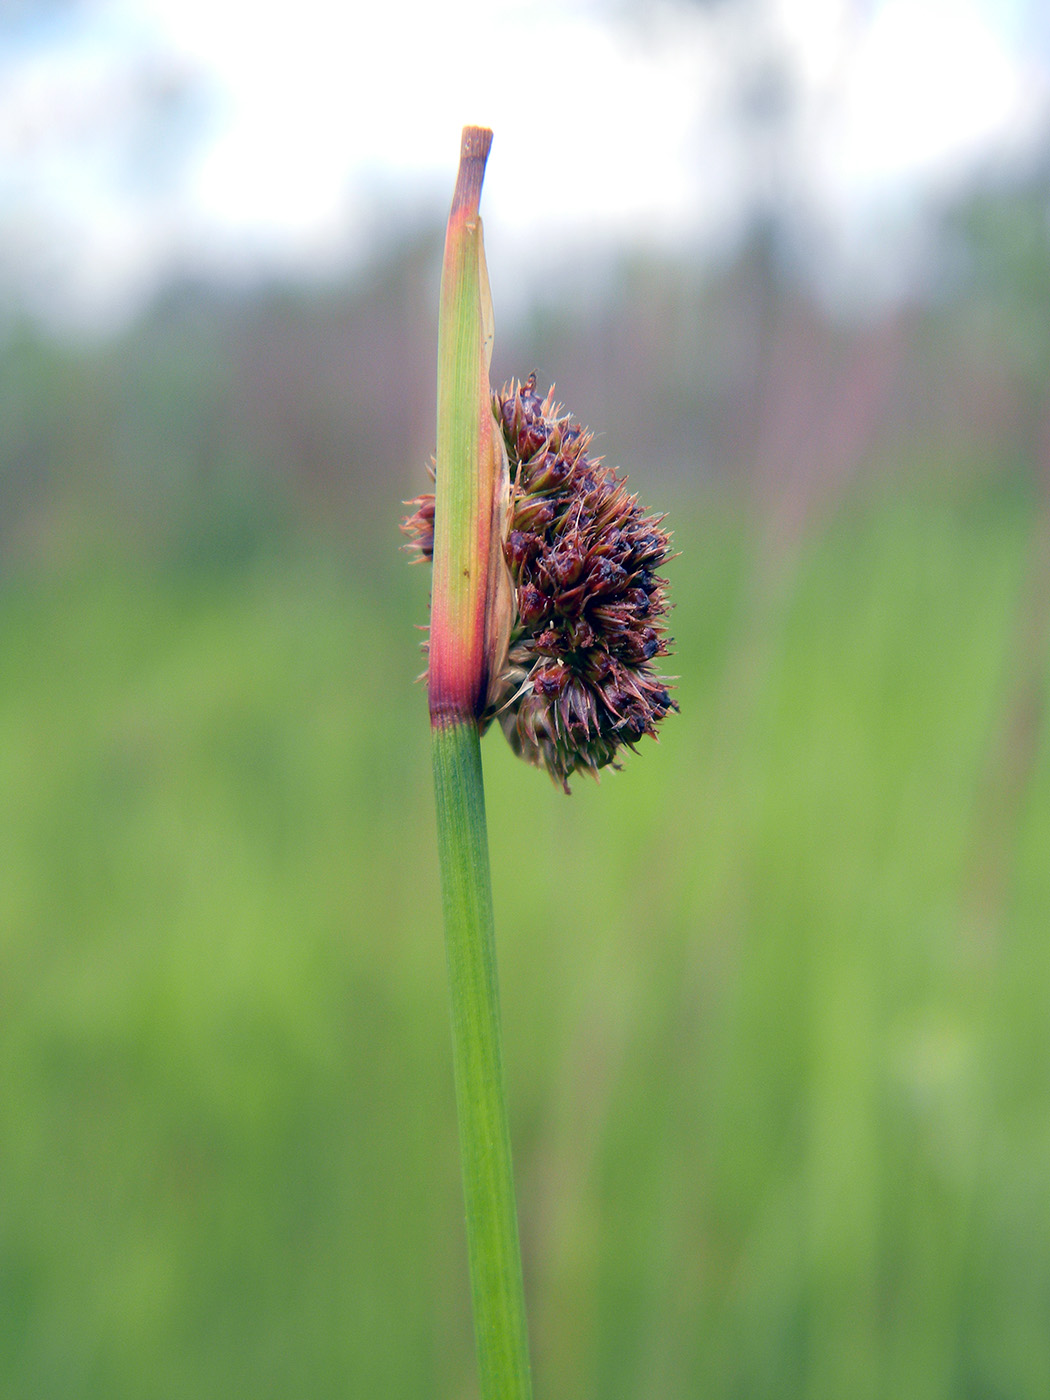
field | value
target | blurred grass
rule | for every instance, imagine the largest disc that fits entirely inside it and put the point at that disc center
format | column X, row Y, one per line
column 778, row 1091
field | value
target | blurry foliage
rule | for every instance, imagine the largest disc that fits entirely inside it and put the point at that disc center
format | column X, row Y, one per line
column 281, row 403
column 999, row 245
column 778, row 1065
column 778, row 1098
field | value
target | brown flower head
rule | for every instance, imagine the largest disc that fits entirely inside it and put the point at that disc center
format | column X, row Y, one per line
column 578, row 680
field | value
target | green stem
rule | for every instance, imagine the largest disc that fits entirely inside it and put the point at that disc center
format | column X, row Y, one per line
column 484, row 1136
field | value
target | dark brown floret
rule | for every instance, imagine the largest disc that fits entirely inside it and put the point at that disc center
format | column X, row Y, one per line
column 583, row 558
column 420, row 525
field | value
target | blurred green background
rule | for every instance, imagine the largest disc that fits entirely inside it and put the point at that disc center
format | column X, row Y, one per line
column 775, row 997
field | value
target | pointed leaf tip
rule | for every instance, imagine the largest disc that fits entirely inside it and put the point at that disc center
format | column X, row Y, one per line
column 475, row 145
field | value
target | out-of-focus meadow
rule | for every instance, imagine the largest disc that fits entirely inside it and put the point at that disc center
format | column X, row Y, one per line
column 774, row 997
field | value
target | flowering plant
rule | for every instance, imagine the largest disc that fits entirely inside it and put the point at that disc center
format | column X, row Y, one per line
column 547, row 615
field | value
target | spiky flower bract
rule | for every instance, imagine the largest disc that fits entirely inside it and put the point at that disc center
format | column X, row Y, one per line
column 577, row 681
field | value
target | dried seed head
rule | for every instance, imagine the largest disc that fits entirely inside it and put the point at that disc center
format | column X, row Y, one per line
column 578, row 681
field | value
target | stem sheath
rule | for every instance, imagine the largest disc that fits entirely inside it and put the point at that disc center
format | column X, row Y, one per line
column 468, row 460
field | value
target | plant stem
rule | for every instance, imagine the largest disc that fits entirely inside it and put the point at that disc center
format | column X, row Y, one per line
column 484, row 1136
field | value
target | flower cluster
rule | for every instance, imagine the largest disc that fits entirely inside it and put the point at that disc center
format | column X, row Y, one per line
column 577, row 681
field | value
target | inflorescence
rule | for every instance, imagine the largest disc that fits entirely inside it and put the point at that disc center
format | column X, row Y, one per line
column 577, row 681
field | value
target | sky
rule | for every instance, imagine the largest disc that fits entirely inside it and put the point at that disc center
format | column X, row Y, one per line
column 145, row 138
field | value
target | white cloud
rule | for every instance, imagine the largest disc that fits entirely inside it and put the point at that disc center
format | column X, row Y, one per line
column 604, row 129
column 931, row 85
